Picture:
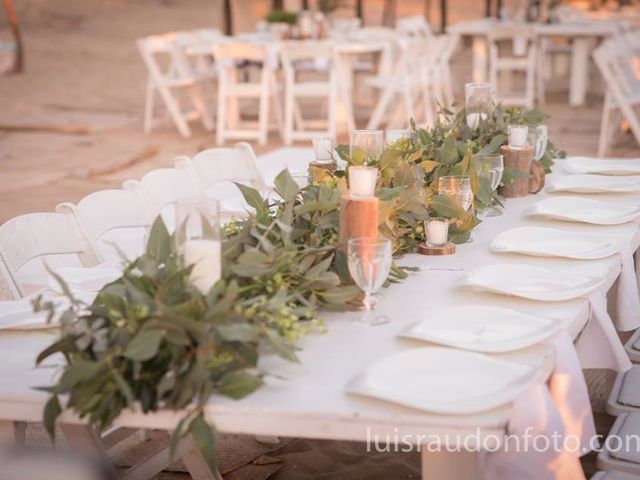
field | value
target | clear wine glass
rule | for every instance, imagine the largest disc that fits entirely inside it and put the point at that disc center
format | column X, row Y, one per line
column 489, row 168
column 538, row 138
column 477, row 103
column 457, row 187
column 371, row 142
column 369, row 264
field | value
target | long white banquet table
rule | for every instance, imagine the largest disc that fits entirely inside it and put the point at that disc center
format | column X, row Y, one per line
column 309, row 399
column 582, row 36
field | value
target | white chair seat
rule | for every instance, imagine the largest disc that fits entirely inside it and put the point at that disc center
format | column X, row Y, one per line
column 632, row 347
column 625, row 394
column 613, row 475
column 627, row 460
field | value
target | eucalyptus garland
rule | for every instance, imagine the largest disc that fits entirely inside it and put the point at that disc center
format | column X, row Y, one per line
column 150, row 340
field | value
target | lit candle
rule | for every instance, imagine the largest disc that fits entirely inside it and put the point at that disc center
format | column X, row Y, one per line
column 205, row 256
column 518, row 136
column 436, row 231
column 474, row 119
column 362, row 181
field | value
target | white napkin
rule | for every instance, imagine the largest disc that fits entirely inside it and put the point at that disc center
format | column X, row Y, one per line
column 534, row 416
column 569, row 392
column 599, row 345
column 84, row 279
column 627, row 306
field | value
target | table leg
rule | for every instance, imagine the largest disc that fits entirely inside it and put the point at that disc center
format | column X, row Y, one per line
column 479, row 58
column 445, row 465
column 579, row 71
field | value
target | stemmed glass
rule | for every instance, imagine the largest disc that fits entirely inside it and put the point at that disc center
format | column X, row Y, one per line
column 369, row 264
column 198, row 240
column 538, row 138
column 489, row 168
column 371, row 142
column 457, row 187
column 477, row 103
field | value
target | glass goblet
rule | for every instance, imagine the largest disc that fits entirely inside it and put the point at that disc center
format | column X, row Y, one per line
column 371, row 142
column 489, row 168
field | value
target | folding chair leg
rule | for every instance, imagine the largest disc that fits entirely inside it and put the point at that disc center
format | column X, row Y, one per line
column 12, row 434
column 148, row 108
column 288, row 118
column 221, row 115
column 174, row 110
column 201, row 107
column 263, row 114
column 605, row 136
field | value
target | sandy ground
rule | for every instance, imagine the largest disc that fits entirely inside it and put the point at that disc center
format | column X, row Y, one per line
column 83, row 70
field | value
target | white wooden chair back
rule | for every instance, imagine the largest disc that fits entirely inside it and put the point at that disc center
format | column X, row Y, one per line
column 216, row 165
column 161, row 188
column 169, row 69
column 41, row 236
column 297, row 58
column 115, row 221
column 414, row 26
column 345, row 24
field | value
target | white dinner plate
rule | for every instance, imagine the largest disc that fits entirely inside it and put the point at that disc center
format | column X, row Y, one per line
column 551, row 242
column 602, row 166
column 593, row 184
column 528, row 281
column 443, row 380
column 482, row 328
column 585, row 210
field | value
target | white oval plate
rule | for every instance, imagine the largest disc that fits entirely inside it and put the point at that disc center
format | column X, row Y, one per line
column 594, row 184
column 528, row 281
column 550, row 242
column 585, row 210
column 602, row 166
column 482, row 328
column 444, row 380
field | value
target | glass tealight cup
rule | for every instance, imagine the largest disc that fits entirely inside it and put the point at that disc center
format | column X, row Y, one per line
column 436, row 231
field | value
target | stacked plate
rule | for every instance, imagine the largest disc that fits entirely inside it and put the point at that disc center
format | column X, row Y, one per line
column 550, row 242
column 593, row 184
column 586, row 210
column 600, row 166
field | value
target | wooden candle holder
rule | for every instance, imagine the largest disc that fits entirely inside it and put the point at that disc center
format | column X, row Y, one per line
column 520, row 161
column 358, row 218
column 448, row 249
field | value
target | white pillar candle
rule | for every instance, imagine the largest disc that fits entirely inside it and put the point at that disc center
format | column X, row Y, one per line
column 473, row 119
column 206, row 258
column 437, row 232
column 518, row 136
column 362, row 181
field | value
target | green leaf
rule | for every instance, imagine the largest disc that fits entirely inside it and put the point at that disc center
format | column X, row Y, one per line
column 238, row 332
column 239, row 384
column 78, row 371
column 448, row 153
column 340, row 295
column 159, row 245
column 144, row 345
column 124, row 388
column 281, row 346
column 204, row 435
column 286, row 186
column 252, row 196
column 493, row 145
column 52, row 411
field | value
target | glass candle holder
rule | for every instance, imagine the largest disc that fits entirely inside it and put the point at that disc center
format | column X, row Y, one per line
column 323, row 150
column 393, row 136
column 371, row 142
column 362, row 181
column 477, row 103
column 458, row 187
column 489, row 168
column 518, row 136
column 538, row 138
column 436, row 232
column 198, row 240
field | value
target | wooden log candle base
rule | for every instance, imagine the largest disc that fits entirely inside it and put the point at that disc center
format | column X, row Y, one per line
column 448, row 249
column 519, row 161
column 358, row 219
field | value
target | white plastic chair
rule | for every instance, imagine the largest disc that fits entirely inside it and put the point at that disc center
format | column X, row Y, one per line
column 296, row 60
column 114, row 221
column 53, row 237
column 161, row 188
column 168, row 77
column 622, row 90
column 505, row 56
column 230, row 57
column 414, row 26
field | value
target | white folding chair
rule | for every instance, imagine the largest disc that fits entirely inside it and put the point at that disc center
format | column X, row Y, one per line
column 622, row 90
column 51, row 237
column 230, row 57
column 169, row 73
column 344, row 25
column 513, row 49
column 160, row 189
column 414, row 26
column 296, row 60
column 114, row 221
column 442, row 80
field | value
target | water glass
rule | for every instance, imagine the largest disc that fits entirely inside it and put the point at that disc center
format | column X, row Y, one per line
column 323, row 150
column 393, row 136
column 198, row 240
column 458, row 187
column 538, row 139
column 371, row 142
column 477, row 103
column 490, row 169
column 369, row 265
